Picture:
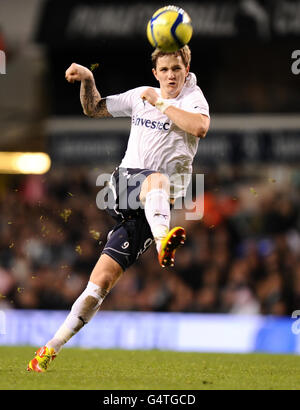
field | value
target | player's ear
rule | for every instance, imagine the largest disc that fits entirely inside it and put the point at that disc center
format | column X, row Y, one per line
column 187, row 70
column 154, row 73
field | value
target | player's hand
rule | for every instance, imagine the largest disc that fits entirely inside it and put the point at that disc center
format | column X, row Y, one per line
column 150, row 95
column 77, row 72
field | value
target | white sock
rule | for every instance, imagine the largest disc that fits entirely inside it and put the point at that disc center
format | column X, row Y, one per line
column 157, row 211
column 83, row 309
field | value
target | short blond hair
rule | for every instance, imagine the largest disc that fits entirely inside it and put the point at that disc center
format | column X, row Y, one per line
column 184, row 53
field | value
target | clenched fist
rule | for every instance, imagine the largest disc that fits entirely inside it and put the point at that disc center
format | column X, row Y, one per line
column 77, row 72
column 150, row 95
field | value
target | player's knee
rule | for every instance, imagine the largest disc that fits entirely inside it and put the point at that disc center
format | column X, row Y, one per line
column 105, row 279
column 106, row 273
column 154, row 181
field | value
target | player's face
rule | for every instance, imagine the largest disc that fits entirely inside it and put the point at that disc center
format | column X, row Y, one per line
column 171, row 73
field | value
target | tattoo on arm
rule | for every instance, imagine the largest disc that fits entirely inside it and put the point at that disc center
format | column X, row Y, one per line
column 91, row 101
column 101, row 109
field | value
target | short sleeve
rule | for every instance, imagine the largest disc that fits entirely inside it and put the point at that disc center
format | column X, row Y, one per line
column 120, row 105
column 196, row 103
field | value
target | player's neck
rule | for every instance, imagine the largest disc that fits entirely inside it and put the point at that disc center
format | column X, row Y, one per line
column 167, row 96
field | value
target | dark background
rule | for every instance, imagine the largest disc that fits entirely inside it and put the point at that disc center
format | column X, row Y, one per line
column 245, row 71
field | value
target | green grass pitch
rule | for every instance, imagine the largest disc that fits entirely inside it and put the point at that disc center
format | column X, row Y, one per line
column 97, row 369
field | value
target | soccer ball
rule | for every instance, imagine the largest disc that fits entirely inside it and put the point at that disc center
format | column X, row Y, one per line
column 169, row 29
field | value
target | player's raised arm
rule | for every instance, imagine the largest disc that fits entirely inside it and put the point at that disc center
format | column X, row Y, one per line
column 92, row 104
column 193, row 123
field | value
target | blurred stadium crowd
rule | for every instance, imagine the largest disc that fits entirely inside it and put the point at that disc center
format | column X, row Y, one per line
column 242, row 257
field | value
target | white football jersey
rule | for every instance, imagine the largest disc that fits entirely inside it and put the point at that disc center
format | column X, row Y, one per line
column 155, row 142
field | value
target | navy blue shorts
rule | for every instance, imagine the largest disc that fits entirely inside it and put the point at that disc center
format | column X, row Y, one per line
column 132, row 234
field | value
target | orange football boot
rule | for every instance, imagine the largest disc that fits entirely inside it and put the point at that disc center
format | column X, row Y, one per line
column 168, row 246
column 41, row 360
